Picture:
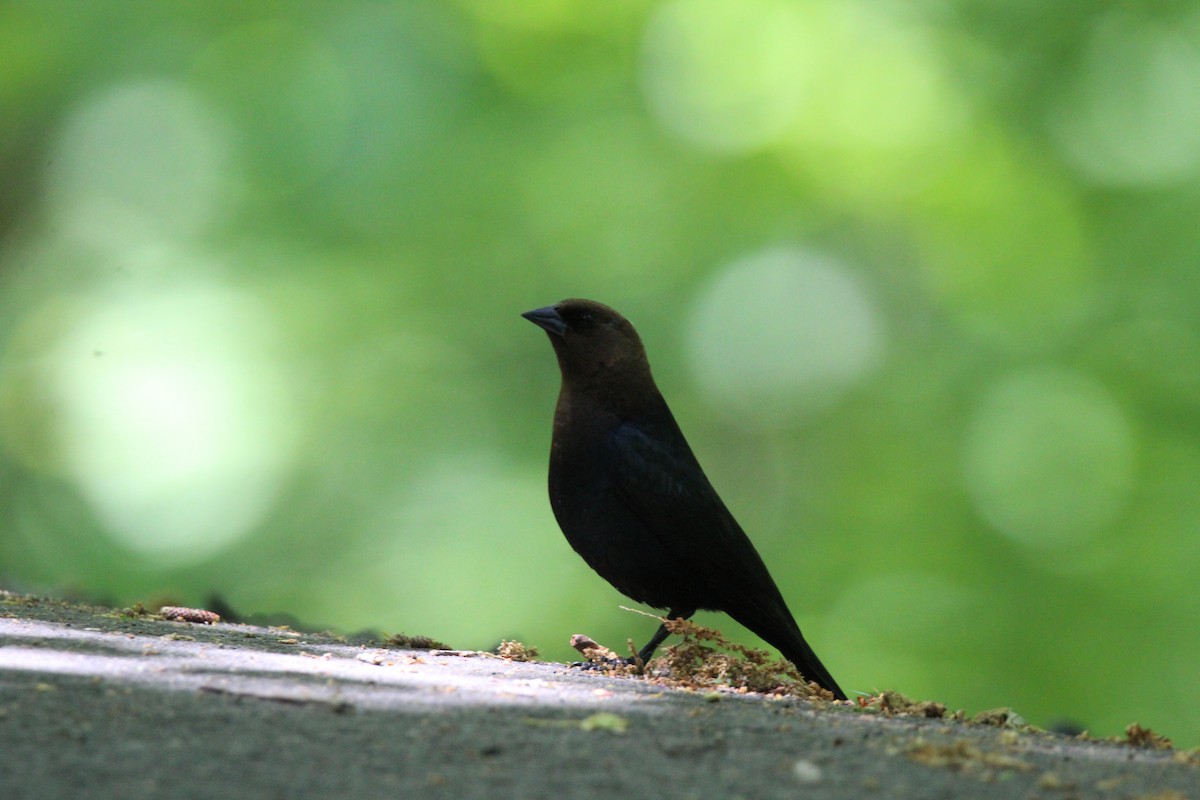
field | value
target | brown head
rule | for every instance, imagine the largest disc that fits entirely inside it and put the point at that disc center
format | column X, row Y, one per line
column 598, row 350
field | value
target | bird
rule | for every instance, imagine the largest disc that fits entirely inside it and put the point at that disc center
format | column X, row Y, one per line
column 632, row 500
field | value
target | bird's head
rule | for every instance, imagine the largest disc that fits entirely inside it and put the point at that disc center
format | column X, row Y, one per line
column 594, row 344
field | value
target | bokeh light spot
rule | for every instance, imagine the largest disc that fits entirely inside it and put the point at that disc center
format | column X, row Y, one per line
column 883, row 112
column 1131, row 116
column 175, row 420
column 726, row 75
column 885, row 88
column 781, row 334
column 144, row 160
column 1049, row 458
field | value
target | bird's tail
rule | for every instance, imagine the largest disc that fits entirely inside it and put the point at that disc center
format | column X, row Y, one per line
column 797, row 651
column 778, row 628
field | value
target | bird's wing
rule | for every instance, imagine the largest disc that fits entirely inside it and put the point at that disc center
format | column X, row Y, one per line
column 716, row 566
column 663, row 485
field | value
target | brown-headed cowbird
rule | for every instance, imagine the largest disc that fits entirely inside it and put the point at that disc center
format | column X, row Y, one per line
column 632, row 499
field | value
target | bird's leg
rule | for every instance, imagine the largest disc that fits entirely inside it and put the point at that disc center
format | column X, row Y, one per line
column 652, row 645
column 659, row 635
column 645, row 653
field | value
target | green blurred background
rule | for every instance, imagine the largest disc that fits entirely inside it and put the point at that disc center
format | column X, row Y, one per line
column 919, row 280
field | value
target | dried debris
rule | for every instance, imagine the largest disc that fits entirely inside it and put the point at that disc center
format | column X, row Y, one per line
column 1000, row 718
column 184, row 614
column 1138, row 736
column 896, row 704
column 516, row 651
column 137, row 610
column 705, row 661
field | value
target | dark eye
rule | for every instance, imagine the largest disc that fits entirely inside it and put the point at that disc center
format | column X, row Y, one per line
column 580, row 321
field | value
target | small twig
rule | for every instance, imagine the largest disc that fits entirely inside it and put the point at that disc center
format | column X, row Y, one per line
column 643, row 613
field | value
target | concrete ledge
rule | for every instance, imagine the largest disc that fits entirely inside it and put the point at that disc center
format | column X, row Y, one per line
column 94, row 704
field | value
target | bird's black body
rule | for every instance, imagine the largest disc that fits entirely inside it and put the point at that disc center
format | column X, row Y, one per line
column 633, row 501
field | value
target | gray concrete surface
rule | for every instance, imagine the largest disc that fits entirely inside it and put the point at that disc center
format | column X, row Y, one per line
column 93, row 704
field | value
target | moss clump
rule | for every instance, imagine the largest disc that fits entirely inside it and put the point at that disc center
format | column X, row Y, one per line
column 406, row 642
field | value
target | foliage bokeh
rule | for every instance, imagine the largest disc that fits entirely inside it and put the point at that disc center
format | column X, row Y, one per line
column 918, row 280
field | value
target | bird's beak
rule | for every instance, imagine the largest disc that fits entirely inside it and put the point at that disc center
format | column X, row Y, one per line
column 547, row 319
